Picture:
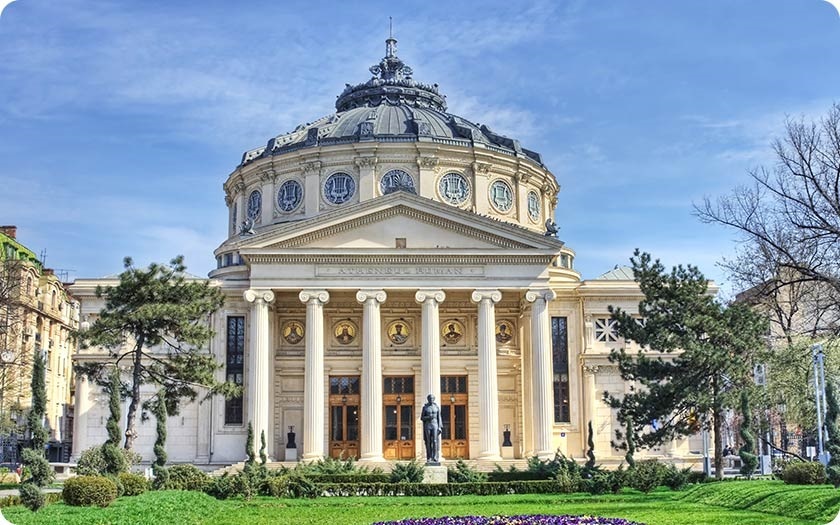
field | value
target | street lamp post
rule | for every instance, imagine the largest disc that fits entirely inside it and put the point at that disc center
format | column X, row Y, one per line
column 819, row 394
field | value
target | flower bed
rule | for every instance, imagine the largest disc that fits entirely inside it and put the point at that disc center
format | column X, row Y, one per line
column 513, row 520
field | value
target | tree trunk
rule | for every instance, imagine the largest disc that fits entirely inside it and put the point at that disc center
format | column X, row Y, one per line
column 136, row 377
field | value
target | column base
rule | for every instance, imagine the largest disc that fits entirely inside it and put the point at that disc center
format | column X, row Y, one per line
column 311, row 458
column 372, row 459
column 545, row 454
column 489, row 456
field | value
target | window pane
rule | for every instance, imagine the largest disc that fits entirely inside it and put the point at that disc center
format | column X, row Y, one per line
column 234, row 359
column 391, row 422
column 445, row 415
column 560, row 365
column 352, row 423
column 460, row 422
column 406, row 423
column 337, row 424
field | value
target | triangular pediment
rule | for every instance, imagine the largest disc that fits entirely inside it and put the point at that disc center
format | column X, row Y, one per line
column 378, row 223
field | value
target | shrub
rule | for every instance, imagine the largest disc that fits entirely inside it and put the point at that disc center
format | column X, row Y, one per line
column 92, row 462
column 601, row 482
column 83, row 491
column 40, row 471
column 31, row 496
column 347, row 478
column 187, row 477
column 133, row 484
column 227, row 486
column 647, row 475
column 676, row 478
column 804, row 473
column 441, row 489
column 516, row 475
column 463, row 473
column 410, row 472
column 333, row 466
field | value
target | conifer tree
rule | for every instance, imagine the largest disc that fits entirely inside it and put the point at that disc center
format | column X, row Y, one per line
column 748, row 459
column 155, row 322
column 590, row 451
column 159, row 465
column 263, row 457
column 249, row 449
column 692, row 355
column 33, row 457
column 630, row 439
column 115, row 461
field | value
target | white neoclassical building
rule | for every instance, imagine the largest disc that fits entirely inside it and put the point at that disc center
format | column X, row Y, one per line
column 382, row 253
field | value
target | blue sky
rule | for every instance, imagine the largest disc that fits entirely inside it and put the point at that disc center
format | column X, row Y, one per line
column 119, row 121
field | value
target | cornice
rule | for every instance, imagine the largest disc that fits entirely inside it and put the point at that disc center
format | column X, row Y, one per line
column 396, row 259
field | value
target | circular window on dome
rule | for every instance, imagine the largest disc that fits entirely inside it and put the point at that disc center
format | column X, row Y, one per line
column 396, row 180
column 339, row 188
column 254, row 205
column 533, row 206
column 454, row 188
column 289, row 196
column 501, row 196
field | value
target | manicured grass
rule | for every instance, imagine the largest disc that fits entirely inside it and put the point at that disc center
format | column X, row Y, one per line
column 659, row 508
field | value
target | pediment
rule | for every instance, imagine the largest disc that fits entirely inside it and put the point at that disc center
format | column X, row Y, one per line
column 378, row 223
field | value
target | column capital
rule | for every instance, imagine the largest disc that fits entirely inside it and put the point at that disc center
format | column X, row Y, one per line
column 429, row 295
column 376, row 295
column 321, row 296
column 546, row 294
column 265, row 296
column 591, row 369
column 486, row 294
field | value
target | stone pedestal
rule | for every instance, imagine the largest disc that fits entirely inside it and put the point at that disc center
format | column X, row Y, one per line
column 434, row 474
column 507, row 452
column 291, row 454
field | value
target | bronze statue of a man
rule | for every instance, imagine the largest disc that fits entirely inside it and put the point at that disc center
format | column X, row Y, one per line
column 431, row 428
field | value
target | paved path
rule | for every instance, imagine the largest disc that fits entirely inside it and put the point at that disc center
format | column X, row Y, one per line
column 15, row 492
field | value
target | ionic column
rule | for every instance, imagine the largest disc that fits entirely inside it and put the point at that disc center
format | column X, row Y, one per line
column 371, row 420
column 313, row 383
column 541, row 383
column 488, row 382
column 430, row 341
column 259, row 364
column 80, row 416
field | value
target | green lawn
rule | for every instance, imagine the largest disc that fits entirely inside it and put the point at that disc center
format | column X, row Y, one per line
column 707, row 504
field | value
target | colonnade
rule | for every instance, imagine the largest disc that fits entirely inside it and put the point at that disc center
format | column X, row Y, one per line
column 260, row 363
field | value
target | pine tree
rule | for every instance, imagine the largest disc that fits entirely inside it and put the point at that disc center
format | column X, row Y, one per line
column 154, row 307
column 693, row 355
column 249, row 449
column 748, row 460
column 263, row 457
column 630, row 439
column 590, row 452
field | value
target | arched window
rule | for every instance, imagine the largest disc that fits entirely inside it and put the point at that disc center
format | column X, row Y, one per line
column 29, row 285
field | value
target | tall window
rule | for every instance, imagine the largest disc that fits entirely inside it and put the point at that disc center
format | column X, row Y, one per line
column 560, row 366
column 234, row 366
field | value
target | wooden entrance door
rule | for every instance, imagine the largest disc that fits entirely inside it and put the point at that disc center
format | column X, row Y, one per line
column 455, row 441
column 398, row 395
column 344, row 417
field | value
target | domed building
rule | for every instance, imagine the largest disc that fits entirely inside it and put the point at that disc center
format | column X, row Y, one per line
column 392, row 250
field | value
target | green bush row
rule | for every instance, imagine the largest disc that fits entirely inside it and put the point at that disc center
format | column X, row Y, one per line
column 349, row 478
column 440, row 489
column 803, row 473
column 10, row 501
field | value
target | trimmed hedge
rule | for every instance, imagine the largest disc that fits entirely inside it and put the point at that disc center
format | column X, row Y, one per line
column 11, row 501
column 517, row 475
column 441, row 489
column 31, row 497
column 85, row 491
column 187, row 477
column 348, row 478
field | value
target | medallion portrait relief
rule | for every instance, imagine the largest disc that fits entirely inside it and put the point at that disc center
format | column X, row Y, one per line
column 345, row 332
column 398, row 332
column 293, row 332
column 504, row 332
column 452, row 332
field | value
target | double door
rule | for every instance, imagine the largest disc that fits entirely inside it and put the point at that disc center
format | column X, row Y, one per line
column 455, row 442
column 344, row 417
column 398, row 397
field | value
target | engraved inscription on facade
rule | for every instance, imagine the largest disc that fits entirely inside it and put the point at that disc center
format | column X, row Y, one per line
column 399, row 271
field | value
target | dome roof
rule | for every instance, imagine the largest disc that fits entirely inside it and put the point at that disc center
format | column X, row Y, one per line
column 390, row 107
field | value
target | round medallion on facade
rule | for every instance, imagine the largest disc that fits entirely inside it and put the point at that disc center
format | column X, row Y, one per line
column 345, row 332
column 533, row 206
column 254, row 205
column 339, row 188
column 454, row 188
column 289, row 196
column 504, row 332
column 293, row 332
column 396, row 180
column 452, row 331
column 501, row 196
column 398, row 332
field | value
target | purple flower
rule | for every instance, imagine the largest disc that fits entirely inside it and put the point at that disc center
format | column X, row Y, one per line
column 512, row 520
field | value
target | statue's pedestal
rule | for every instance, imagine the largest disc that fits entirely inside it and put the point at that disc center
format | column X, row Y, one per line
column 434, row 474
column 291, row 454
column 507, row 452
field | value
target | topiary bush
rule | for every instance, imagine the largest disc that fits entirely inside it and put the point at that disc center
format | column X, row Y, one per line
column 92, row 461
column 133, row 484
column 39, row 469
column 187, row 477
column 804, row 473
column 86, row 491
column 231, row 486
column 410, row 472
column 31, row 496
